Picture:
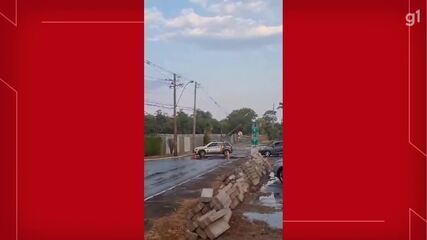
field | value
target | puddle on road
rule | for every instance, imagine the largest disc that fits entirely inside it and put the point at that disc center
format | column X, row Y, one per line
column 272, row 198
column 274, row 220
column 272, row 194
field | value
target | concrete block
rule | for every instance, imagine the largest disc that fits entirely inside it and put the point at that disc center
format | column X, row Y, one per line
column 234, row 203
column 217, row 215
column 255, row 181
column 227, row 216
column 196, row 216
column 253, row 175
column 221, row 200
column 243, row 186
column 216, row 229
column 202, row 234
column 198, row 207
column 205, row 209
column 204, row 220
column 241, row 196
column 241, row 178
column 211, row 217
column 192, row 225
column 258, row 171
column 190, row 235
column 232, row 177
column 235, row 194
column 207, row 194
column 242, row 175
column 231, row 190
column 227, row 187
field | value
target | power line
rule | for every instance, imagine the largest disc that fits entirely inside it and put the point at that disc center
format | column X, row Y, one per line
column 164, row 70
column 169, row 108
column 187, row 81
column 214, row 101
column 166, row 105
column 155, row 78
column 160, row 68
column 155, row 81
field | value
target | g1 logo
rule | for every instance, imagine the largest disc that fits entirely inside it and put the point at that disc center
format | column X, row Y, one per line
column 412, row 18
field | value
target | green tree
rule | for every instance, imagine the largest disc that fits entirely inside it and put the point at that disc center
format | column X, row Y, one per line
column 163, row 122
column 240, row 120
column 205, row 121
column 269, row 126
column 184, row 123
column 149, row 124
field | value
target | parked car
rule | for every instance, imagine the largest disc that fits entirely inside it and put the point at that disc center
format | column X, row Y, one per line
column 278, row 169
column 276, row 148
column 213, row 148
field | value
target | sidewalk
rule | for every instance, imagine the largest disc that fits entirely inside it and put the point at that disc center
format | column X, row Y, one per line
column 165, row 157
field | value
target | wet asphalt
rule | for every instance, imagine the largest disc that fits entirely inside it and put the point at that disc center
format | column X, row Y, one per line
column 163, row 175
column 272, row 196
column 165, row 201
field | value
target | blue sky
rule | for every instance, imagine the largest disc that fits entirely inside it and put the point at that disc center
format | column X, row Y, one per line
column 232, row 47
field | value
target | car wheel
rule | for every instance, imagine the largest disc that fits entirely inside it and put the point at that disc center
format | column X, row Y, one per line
column 267, row 153
column 202, row 154
column 280, row 174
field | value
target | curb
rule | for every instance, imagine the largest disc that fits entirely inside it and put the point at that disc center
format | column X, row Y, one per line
column 167, row 158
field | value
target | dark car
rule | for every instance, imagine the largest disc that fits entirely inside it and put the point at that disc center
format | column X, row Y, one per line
column 278, row 169
column 275, row 148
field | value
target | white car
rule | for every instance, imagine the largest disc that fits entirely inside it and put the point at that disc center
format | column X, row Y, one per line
column 214, row 148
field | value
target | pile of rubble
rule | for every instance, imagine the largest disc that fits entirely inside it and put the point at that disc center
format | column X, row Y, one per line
column 211, row 216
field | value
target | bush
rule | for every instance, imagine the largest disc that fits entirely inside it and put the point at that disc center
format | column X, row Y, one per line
column 152, row 145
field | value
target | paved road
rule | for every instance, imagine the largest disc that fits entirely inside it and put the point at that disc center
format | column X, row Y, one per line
column 160, row 175
column 270, row 195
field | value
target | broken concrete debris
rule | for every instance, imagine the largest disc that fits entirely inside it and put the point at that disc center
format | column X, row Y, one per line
column 191, row 235
column 207, row 194
column 211, row 216
column 217, row 228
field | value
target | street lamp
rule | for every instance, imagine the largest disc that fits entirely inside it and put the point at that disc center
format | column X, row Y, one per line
column 183, row 90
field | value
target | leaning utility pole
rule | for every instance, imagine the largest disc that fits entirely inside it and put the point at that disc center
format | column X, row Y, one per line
column 175, row 138
column 194, row 117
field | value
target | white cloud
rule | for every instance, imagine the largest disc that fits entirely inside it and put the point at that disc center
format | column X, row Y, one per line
column 235, row 7
column 204, row 3
column 153, row 17
column 211, row 30
column 270, row 9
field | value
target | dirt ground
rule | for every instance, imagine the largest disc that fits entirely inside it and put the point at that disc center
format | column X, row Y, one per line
column 172, row 225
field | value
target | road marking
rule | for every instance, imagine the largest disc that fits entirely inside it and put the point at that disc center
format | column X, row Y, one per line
column 186, row 181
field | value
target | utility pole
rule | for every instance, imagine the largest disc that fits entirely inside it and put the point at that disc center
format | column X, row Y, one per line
column 175, row 137
column 194, row 117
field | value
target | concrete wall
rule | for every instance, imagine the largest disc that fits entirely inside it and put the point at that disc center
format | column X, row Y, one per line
column 184, row 141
